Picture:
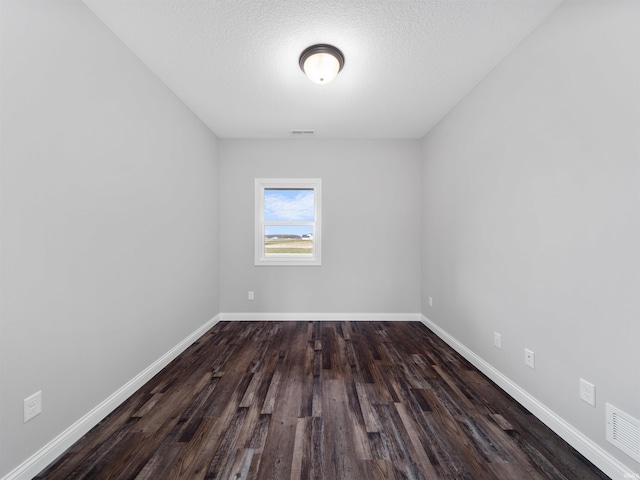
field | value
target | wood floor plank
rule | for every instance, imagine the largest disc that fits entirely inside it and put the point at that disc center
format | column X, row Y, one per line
column 196, row 456
column 301, row 450
column 398, row 443
column 270, row 398
column 320, row 400
column 338, row 435
column 222, row 461
column 421, row 456
column 277, row 456
column 160, row 464
column 92, row 446
column 370, row 422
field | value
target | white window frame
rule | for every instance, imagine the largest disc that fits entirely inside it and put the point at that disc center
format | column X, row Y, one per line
column 311, row 259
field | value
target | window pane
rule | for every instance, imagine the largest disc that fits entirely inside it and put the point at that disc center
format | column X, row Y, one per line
column 294, row 239
column 284, row 204
column 288, row 214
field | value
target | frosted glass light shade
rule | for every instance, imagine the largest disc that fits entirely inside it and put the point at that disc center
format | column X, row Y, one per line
column 321, row 67
column 321, row 63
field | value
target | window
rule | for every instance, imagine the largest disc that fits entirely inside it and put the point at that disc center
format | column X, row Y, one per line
column 287, row 221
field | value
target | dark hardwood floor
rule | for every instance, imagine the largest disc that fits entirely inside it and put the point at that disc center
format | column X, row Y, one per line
column 322, row 400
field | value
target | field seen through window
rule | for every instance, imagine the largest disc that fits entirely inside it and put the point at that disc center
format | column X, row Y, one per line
column 290, row 244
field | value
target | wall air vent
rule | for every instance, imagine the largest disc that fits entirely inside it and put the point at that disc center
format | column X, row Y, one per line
column 302, row 133
column 623, row 431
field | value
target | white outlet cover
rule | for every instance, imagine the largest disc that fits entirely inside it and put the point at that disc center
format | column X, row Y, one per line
column 529, row 358
column 497, row 340
column 588, row 392
column 32, row 406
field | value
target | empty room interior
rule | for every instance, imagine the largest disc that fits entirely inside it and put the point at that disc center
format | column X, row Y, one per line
column 473, row 172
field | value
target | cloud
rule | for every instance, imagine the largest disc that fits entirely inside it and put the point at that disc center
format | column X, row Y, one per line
column 295, row 205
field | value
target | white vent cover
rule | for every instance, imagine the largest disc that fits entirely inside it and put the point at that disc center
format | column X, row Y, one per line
column 623, row 431
column 302, row 133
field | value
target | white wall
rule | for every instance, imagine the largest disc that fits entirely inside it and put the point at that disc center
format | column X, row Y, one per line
column 109, row 219
column 531, row 214
column 370, row 227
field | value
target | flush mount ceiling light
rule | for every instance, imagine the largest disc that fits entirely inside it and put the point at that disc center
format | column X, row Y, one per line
column 321, row 63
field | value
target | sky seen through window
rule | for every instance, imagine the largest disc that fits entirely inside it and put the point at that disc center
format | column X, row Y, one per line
column 288, row 205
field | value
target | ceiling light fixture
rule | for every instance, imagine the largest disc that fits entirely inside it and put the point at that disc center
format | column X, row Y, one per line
column 321, row 62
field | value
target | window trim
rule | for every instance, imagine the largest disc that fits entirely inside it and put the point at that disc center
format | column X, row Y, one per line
column 282, row 259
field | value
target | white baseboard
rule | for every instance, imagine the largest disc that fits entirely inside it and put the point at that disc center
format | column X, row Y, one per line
column 334, row 317
column 43, row 457
column 589, row 449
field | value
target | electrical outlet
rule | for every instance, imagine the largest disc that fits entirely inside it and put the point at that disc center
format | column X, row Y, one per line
column 32, row 406
column 588, row 392
column 497, row 340
column 430, row 302
column 529, row 358
column 250, row 295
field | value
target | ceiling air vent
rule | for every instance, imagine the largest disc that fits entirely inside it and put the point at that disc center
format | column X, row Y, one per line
column 623, row 431
column 302, row 133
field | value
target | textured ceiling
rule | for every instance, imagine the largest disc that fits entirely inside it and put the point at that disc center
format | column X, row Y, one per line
column 407, row 62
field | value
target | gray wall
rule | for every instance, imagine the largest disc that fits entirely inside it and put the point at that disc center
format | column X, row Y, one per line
column 531, row 214
column 109, row 219
column 370, row 227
